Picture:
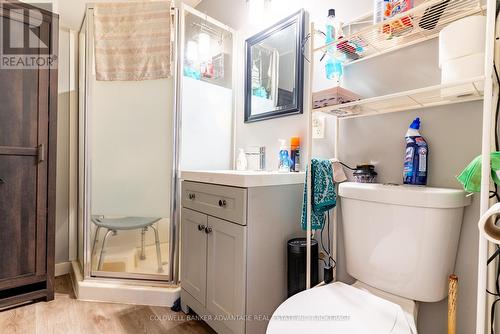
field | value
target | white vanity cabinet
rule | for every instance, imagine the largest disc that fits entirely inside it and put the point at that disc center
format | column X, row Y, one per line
column 233, row 251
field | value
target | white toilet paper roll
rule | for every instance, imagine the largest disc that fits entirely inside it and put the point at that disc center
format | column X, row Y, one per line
column 462, row 68
column 487, row 224
column 462, row 38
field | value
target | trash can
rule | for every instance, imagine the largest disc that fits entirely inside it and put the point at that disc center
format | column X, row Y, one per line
column 296, row 265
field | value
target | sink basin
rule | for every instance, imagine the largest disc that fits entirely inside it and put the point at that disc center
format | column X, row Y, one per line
column 243, row 179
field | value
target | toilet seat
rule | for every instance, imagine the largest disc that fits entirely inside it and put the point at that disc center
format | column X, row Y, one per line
column 341, row 309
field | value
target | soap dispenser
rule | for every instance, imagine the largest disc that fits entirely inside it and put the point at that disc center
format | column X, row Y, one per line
column 284, row 158
column 241, row 162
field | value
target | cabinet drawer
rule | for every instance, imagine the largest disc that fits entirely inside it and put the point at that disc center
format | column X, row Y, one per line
column 228, row 203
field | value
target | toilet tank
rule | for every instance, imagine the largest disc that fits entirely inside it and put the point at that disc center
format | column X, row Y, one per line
column 402, row 239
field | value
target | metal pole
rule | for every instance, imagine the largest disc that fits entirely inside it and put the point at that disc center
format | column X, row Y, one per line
column 485, row 168
column 308, row 109
column 335, row 210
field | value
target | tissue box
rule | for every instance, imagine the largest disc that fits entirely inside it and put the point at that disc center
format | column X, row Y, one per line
column 333, row 96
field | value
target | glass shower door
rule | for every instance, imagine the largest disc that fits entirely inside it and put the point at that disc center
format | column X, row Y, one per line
column 128, row 159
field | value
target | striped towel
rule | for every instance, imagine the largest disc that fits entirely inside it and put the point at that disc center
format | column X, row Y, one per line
column 132, row 41
column 323, row 194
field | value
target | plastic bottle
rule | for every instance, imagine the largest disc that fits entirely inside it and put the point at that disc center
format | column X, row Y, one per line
column 385, row 9
column 241, row 162
column 333, row 65
column 415, row 163
column 295, row 153
column 284, row 158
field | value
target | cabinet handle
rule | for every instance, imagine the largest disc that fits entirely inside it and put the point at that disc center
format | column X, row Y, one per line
column 208, row 230
column 41, row 153
column 222, row 203
column 2, row 181
column 191, row 196
column 201, row 227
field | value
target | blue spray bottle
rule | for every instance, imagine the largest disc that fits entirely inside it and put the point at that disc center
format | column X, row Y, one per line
column 333, row 66
column 416, row 162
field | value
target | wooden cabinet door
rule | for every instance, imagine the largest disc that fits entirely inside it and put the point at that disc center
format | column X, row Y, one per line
column 226, row 272
column 194, row 254
column 24, row 139
column 18, row 217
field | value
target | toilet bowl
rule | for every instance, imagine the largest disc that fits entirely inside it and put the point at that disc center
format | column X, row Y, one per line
column 400, row 245
column 340, row 308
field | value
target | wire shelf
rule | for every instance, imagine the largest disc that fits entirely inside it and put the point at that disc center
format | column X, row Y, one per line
column 411, row 27
column 458, row 92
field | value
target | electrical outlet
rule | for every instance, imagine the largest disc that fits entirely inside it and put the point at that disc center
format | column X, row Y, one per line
column 318, row 128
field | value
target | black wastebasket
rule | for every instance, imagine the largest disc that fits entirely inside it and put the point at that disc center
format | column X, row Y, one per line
column 296, row 269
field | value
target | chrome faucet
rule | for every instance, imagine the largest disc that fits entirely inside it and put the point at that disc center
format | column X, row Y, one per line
column 262, row 157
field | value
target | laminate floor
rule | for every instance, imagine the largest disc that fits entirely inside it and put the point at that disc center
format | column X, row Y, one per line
column 67, row 315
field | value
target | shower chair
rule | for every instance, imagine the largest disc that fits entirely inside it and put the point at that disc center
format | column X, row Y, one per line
column 112, row 225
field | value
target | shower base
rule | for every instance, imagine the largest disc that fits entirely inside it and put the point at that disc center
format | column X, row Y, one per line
column 120, row 291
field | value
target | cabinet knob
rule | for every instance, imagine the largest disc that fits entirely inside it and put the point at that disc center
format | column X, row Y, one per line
column 2, row 181
column 201, row 227
column 208, row 230
column 191, row 196
column 222, row 203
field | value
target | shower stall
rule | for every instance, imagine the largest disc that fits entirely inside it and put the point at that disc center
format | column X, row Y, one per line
column 133, row 139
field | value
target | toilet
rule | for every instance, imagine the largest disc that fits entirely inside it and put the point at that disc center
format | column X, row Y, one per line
column 400, row 246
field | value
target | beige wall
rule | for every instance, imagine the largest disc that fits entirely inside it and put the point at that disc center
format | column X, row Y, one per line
column 453, row 132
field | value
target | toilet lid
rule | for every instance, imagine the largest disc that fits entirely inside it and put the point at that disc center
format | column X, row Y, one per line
column 338, row 308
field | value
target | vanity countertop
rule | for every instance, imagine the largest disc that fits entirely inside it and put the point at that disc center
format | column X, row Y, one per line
column 243, row 179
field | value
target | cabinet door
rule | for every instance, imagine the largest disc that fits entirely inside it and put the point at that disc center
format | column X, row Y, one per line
column 18, row 217
column 24, row 139
column 226, row 272
column 194, row 254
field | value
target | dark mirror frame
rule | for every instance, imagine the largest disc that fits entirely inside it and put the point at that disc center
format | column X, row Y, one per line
column 297, row 108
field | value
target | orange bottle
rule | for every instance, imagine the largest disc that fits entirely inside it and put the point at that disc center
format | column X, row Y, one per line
column 295, row 153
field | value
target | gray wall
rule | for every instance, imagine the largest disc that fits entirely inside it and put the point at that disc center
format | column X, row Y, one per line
column 453, row 135
column 453, row 132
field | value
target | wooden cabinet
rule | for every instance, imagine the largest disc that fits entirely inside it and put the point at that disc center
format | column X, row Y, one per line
column 28, row 107
column 233, row 252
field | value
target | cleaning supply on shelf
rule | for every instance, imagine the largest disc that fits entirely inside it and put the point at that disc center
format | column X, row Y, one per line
column 284, row 158
column 470, row 177
column 415, row 162
column 386, row 9
column 323, row 194
column 295, row 153
column 334, row 30
column 241, row 162
column 333, row 65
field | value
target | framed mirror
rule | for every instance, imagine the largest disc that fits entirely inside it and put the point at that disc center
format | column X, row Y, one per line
column 274, row 70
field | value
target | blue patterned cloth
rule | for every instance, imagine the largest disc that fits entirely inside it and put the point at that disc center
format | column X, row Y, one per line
column 323, row 194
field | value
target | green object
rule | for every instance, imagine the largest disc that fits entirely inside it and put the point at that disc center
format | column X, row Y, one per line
column 470, row 177
column 323, row 194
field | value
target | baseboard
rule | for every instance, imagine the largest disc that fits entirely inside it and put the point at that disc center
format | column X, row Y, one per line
column 63, row 268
